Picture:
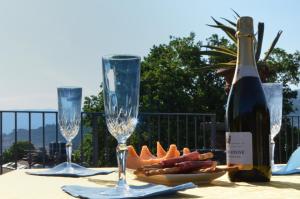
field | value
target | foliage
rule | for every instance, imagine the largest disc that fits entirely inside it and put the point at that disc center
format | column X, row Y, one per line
column 172, row 82
column 230, row 52
column 17, row 151
column 276, row 66
column 284, row 67
column 87, row 149
column 94, row 103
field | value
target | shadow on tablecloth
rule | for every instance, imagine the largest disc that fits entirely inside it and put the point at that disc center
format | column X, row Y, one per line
column 275, row 184
column 280, row 184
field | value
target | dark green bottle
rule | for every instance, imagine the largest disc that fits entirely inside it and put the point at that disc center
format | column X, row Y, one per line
column 247, row 115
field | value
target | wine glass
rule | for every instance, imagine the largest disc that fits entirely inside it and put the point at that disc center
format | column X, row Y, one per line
column 273, row 94
column 121, row 83
column 69, row 117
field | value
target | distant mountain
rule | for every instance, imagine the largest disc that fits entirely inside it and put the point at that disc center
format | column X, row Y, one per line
column 8, row 120
column 37, row 137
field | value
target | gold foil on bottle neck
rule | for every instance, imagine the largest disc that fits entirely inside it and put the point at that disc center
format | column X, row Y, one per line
column 245, row 27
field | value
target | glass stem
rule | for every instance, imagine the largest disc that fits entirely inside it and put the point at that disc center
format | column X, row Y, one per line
column 69, row 152
column 272, row 152
column 122, row 156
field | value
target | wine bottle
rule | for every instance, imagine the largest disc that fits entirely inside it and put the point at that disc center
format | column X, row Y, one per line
column 247, row 115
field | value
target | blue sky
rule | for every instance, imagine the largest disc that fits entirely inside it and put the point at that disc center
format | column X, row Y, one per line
column 49, row 43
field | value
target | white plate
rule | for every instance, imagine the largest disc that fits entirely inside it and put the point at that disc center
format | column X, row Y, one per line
column 176, row 179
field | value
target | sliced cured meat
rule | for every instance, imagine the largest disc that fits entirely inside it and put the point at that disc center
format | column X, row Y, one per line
column 189, row 166
column 188, row 157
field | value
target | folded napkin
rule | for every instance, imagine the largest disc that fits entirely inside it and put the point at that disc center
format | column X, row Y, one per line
column 293, row 165
column 134, row 191
column 65, row 170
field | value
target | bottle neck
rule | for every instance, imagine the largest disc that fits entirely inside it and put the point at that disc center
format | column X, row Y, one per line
column 245, row 52
column 246, row 64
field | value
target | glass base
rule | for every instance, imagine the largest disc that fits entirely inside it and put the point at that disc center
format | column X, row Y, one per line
column 115, row 192
column 122, row 186
column 68, row 168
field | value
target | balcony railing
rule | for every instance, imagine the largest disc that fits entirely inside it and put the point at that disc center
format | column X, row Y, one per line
column 288, row 138
column 194, row 130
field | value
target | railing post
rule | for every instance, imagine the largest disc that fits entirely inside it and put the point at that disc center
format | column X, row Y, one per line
column 177, row 131
column 149, row 131
column 195, row 132
column 29, row 138
column 16, row 140
column 81, row 138
column 292, row 133
column 202, row 126
column 1, row 142
column 95, row 139
column 138, row 134
column 186, row 131
column 298, row 134
column 286, row 141
column 169, row 130
column 158, row 128
column 58, row 154
column 279, row 140
column 44, row 147
column 213, row 135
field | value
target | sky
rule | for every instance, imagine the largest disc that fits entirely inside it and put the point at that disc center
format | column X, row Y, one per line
column 45, row 44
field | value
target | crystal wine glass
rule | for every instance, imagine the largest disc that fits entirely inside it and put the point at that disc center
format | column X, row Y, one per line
column 69, row 117
column 273, row 94
column 121, row 83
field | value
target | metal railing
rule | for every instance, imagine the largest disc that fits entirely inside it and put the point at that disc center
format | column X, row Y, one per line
column 193, row 130
column 288, row 138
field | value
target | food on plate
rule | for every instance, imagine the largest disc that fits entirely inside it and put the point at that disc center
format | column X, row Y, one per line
column 186, row 150
column 164, row 159
column 133, row 160
column 166, row 167
column 147, row 158
column 182, row 167
column 160, row 150
column 146, row 154
column 194, row 156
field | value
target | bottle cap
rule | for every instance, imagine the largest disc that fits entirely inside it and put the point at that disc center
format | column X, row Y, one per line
column 245, row 26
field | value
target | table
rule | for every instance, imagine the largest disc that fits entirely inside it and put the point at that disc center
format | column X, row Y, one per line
column 18, row 185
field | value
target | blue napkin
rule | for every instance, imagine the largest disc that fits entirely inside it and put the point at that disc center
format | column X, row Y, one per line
column 292, row 167
column 134, row 191
column 73, row 170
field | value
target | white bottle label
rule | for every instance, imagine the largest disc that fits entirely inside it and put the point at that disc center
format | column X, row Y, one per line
column 244, row 71
column 239, row 149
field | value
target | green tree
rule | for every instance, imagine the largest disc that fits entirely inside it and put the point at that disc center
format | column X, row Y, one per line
column 94, row 103
column 172, row 82
column 282, row 67
column 277, row 65
column 17, row 151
